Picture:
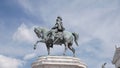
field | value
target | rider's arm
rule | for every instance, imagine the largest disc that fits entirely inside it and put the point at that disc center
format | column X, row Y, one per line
column 54, row 27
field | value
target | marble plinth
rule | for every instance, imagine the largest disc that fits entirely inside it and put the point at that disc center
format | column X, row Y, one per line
column 58, row 62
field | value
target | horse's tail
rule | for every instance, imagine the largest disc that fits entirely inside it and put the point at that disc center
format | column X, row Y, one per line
column 76, row 36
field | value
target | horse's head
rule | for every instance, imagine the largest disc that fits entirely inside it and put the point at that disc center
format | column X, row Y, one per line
column 38, row 32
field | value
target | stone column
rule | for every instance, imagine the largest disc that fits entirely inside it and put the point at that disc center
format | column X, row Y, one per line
column 58, row 62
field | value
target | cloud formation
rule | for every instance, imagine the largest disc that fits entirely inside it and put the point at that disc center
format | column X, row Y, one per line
column 8, row 62
column 29, row 56
column 24, row 33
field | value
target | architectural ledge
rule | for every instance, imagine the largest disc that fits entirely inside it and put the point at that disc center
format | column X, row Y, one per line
column 59, row 61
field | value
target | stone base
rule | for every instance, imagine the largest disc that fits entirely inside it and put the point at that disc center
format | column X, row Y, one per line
column 58, row 62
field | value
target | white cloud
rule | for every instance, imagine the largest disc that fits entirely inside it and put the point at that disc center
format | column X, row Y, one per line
column 8, row 62
column 29, row 56
column 24, row 33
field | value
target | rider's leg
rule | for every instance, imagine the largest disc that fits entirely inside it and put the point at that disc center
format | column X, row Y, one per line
column 59, row 36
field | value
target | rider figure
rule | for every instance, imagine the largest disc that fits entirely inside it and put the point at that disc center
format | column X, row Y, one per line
column 59, row 29
column 59, row 25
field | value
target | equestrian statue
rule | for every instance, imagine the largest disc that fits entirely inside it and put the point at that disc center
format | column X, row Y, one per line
column 56, row 36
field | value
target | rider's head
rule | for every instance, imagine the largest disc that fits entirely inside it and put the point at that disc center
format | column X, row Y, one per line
column 59, row 18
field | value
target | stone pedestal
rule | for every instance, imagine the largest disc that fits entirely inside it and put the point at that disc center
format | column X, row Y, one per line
column 58, row 62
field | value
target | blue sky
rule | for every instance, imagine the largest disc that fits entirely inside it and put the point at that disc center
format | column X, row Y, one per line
column 96, row 21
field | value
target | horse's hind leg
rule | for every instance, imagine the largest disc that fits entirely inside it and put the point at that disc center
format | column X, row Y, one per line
column 66, row 44
column 72, row 49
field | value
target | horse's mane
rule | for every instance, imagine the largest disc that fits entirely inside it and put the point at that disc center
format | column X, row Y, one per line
column 43, row 28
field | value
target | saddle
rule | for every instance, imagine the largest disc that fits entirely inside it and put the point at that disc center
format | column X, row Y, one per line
column 57, row 37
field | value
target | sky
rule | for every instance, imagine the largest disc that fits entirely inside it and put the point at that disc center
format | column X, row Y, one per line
column 96, row 21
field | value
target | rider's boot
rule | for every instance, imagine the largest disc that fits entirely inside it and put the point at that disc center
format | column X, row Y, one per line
column 51, row 43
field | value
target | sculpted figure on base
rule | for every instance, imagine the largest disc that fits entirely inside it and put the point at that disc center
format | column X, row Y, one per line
column 57, row 36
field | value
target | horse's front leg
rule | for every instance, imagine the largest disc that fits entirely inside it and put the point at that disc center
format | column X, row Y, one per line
column 36, row 45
